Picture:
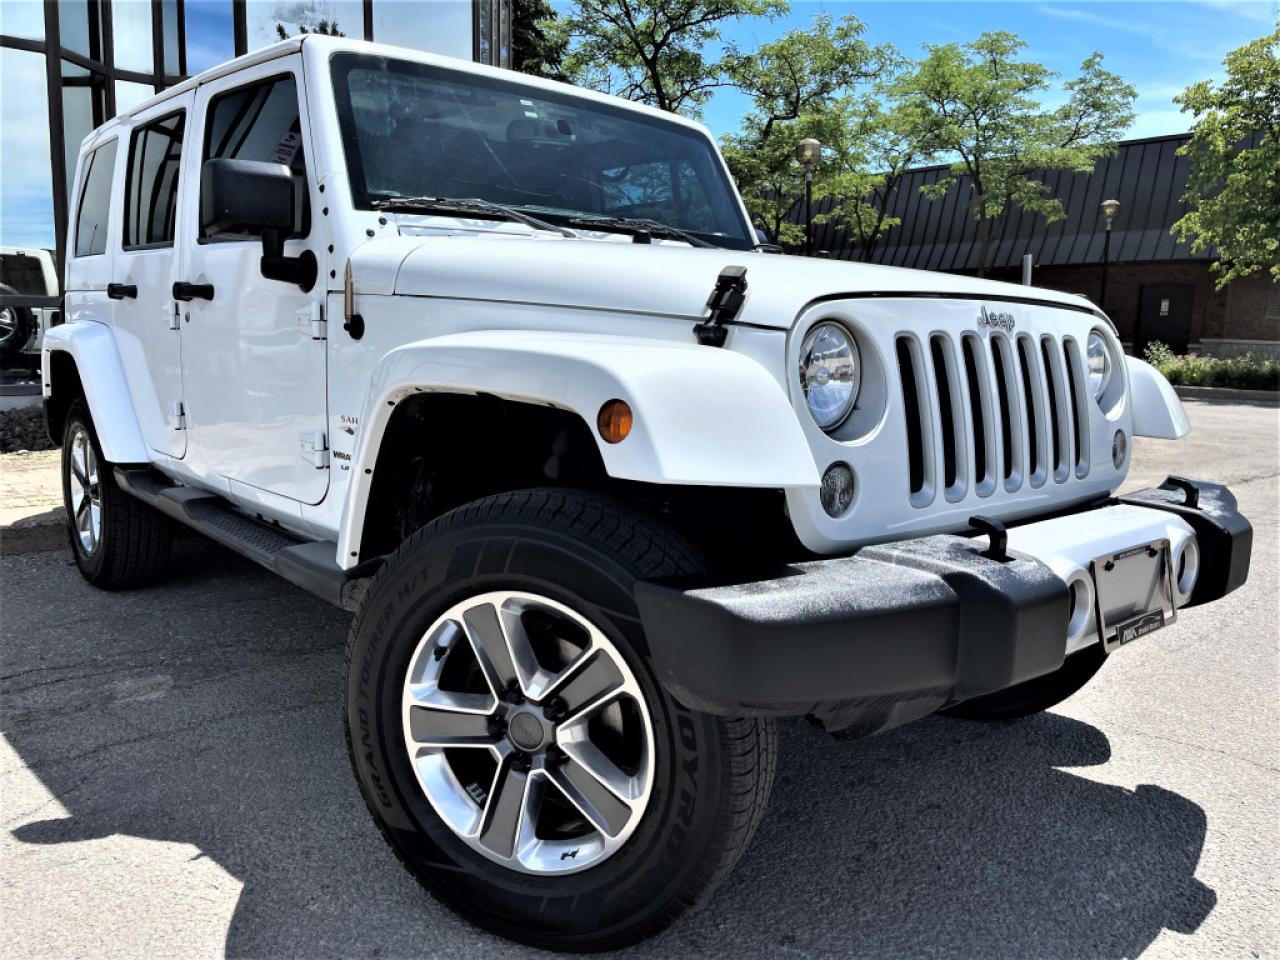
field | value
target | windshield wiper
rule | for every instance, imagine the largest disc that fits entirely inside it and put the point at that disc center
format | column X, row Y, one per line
column 472, row 205
column 642, row 229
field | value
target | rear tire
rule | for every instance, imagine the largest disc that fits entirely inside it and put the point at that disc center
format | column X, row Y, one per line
column 118, row 541
column 708, row 777
column 1035, row 695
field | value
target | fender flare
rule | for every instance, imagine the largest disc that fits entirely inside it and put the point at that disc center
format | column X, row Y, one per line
column 1157, row 411
column 703, row 417
column 93, row 349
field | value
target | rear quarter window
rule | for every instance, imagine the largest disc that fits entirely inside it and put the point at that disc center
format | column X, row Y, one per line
column 95, row 201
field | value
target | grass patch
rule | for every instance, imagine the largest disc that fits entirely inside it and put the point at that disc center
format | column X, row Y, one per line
column 1242, row 373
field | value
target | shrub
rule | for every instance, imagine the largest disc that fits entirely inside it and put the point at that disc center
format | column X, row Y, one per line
column 1243, row 372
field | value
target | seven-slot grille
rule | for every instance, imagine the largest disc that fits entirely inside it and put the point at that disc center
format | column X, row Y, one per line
column 993, row 412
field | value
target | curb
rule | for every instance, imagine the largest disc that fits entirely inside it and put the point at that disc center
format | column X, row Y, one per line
column 1266, row 398
column 38, row 533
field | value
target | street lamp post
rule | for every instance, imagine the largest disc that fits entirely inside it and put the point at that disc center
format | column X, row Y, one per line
column 809, row 153
column 1109, row 210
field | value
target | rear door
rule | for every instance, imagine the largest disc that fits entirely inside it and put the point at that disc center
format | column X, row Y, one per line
column 255, row 370
column 148, row 327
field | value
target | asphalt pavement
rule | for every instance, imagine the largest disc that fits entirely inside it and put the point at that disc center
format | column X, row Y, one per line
column 173, row 783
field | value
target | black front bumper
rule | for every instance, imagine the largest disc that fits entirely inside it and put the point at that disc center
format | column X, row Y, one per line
column 897, row 630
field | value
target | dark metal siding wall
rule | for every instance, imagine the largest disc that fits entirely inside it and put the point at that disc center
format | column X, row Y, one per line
column 1146, row 176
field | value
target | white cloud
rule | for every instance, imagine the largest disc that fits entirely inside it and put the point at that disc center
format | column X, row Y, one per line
column 1179, row 36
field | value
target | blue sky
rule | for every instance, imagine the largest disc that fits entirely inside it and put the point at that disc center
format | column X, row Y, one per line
column 1157, row 47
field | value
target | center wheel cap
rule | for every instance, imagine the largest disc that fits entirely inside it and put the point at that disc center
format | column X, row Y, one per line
column 526, row 731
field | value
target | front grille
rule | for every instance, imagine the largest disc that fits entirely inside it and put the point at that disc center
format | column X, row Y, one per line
column 988, row 413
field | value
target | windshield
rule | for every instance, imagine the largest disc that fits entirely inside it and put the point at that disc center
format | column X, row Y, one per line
column 412, row 130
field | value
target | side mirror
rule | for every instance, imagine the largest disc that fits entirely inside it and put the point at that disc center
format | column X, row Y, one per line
column 253, row 196
column 245, row 196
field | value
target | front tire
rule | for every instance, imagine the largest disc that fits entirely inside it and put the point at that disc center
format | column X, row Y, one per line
column 118, row 541
column 500, row 648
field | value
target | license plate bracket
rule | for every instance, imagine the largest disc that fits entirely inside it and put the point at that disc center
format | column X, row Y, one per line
column 1134, row 593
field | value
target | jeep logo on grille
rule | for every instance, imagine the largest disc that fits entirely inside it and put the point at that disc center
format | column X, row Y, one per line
column 996, row 320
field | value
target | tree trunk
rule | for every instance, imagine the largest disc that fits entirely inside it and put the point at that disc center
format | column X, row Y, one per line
column 984, row 239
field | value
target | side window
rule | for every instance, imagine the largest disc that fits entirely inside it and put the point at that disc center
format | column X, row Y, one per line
column 151, row 190
column 95, row 201
column 261, row 122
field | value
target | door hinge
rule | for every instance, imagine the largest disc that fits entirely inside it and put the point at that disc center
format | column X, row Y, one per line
column 311, row 319
column 177, row 415
column 175, row 315
column 315, row 447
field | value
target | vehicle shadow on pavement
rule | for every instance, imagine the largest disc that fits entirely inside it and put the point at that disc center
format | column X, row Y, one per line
column 208, row 712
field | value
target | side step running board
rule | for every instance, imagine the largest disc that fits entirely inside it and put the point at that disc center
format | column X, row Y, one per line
column 310, row 565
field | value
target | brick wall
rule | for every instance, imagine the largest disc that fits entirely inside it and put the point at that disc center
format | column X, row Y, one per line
column 1247, row 309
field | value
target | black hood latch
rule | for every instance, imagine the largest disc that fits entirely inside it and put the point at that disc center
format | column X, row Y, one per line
column 723, row 305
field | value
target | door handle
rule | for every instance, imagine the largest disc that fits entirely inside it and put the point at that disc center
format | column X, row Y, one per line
column 192, row 291
column 122, row 291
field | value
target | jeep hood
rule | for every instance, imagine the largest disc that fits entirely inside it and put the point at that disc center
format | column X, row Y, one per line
column 657, row 279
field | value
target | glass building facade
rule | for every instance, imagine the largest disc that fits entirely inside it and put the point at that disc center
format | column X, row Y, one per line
column 67, row 66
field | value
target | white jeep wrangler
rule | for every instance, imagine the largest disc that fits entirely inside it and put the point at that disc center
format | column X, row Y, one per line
column 495, row 363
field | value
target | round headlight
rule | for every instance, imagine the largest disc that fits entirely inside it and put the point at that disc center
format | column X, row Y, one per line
column 1099, row 358
column 830, row 373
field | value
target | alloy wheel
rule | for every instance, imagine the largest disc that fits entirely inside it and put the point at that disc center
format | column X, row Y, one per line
column 86, row 491
column 528, row 733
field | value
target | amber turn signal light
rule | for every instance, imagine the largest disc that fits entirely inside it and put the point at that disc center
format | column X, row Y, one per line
column 614, row 421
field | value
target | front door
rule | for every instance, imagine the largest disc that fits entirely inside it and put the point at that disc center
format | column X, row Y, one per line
column 1164, row 314
column 254, row 351
column 148, row 333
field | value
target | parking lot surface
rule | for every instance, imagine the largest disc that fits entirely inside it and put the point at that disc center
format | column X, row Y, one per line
column 173, row 783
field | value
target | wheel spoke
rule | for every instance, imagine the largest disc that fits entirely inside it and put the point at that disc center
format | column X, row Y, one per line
column 423, row 684
column 484, row 630
column 448, row 728
column 77, row 461
column 507, row 809
column 607, row 812
column 595, row 762
column 590, row 684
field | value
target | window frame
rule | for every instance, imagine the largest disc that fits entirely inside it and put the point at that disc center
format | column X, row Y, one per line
column 137, row 130
column 92, row 157
column 206, row 134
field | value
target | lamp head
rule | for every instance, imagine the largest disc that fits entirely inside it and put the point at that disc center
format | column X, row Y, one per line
column 809, row 152
column 1109, row 209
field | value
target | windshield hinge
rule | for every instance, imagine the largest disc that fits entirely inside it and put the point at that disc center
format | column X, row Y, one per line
column 723, row 305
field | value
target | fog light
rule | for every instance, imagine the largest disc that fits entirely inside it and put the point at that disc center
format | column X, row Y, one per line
column 837, row 489
column 1119, row 446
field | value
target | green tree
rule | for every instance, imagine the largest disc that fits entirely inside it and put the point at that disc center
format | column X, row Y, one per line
column 1234, row 182
column 882, row 138
column 324, row 27
column 799, row 85
column 539, row 39
column 982, row 107
column 654, row 51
